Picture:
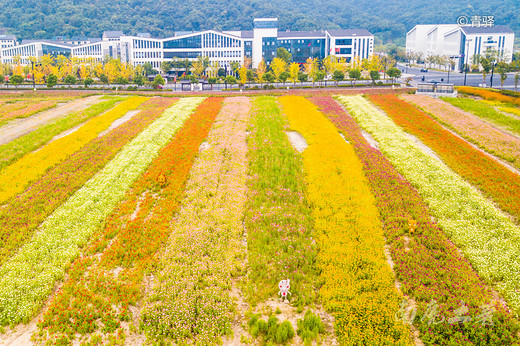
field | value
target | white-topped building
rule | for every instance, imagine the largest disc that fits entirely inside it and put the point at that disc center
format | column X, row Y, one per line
column 222, row 47
column 461, row 43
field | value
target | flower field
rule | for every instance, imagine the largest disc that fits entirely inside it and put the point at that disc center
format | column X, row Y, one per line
column 495, row 180
column 479, row 132
column 19, row 147
column 177, row 225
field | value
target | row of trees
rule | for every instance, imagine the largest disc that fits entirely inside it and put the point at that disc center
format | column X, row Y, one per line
column 52, row 70
column 486, row 63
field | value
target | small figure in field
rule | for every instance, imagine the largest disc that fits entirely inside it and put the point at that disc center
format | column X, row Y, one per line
column 284, row 286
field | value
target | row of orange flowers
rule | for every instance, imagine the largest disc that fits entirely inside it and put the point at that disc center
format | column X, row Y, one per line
column 495, row 180
column 23, row 214
column 103, row 287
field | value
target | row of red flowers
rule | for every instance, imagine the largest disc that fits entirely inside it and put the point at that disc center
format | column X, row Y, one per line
column 492, row 178
column 426, row 263
column 103, row 287
column 20, row 217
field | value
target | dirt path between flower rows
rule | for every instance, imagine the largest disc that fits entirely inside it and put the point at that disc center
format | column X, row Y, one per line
column 20, row 127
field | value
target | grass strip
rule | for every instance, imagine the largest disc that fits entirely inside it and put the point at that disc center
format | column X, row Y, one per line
column 277, row 215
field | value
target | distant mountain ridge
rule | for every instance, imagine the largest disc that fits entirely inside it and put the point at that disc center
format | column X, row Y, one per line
column 388, row 20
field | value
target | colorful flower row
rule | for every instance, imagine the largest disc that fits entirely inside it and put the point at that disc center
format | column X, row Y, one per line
column 427, row 265
column 484, row 110
column 487, row 94
column 358, row 284
column 28, row 277
column 470, row 127
column 20, row 146
column 491, row 177
column 15, row 178
column 190, row 296
column 133, row 234
column 487, row 237
column 24, row 213
column 278, row 223
column 26, row 111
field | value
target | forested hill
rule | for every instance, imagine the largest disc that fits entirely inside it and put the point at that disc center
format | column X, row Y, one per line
column 388, row 19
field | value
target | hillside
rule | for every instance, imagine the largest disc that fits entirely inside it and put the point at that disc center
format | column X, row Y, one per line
column 389, row 21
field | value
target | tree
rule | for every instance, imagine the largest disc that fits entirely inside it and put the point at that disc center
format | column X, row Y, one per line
column 269, row 77
column 302, row 77
column 69, row 79
column 103, row 79
column 221, row 72
column 16, row 80
column 140, row 80
column 242, row 74
column 294, row 69
column 278, row 66
column 121, row 80
column 354, row 74
column 283, row 77
column 503, row 69
column 311, row 69
column 88, row 82
column 52, row 80
column 260, row 71
column 374, row 75
column 231, row 80
column 166, row 66
column 517, row 79
column 284, row 54
column 148, row 69
column 158, row 80
column 338, row 76
column 393, row 72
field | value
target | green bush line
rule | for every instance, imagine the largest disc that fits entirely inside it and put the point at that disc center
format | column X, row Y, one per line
column 278, row 220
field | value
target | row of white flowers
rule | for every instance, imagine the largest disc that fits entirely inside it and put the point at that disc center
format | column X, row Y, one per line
column 487, row 236
column 28, row 278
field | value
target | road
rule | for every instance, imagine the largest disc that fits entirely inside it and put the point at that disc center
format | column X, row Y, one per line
column 472, row 79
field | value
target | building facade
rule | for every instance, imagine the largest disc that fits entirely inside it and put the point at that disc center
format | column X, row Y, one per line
column 461, row 43
column 222, row 48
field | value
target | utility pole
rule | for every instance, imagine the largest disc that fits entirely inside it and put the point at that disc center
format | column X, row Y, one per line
column 492, row 71
column 467, row 57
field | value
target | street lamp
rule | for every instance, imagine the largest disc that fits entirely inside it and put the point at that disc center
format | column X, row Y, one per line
column 467, row 57
column 492, row 71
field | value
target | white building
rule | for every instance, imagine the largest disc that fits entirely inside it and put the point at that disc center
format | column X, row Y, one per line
column 222, row 47
column 461, row 43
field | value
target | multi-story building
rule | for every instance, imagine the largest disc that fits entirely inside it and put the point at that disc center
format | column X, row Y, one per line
column 7, row 41
column 222, row 47
column 461, row 43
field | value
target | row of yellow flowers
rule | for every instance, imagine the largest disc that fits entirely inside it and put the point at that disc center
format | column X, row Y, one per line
column 15, row 178
column 358, row 284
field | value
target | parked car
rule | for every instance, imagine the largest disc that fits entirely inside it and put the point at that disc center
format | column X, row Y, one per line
column 424, row 70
